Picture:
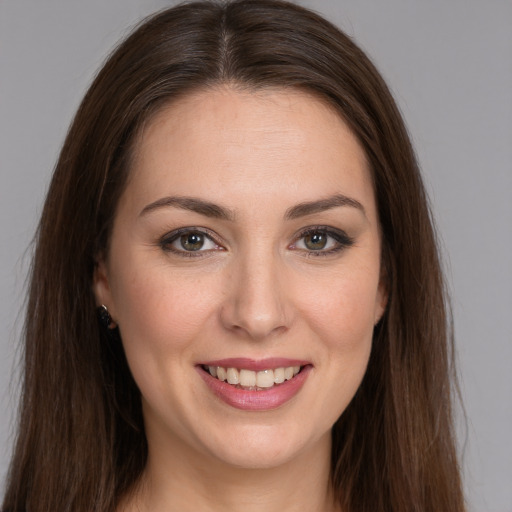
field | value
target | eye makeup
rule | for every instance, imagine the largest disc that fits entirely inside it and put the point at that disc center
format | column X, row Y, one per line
column 190, row 242
column 315, row 241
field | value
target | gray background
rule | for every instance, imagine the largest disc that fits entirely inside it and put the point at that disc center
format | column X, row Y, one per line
column 449, row 64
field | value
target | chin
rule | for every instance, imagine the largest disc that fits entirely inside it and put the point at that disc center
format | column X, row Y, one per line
column 261, row 447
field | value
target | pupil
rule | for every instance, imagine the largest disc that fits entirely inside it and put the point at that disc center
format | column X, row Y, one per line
column 192, row 241
column 315, row 241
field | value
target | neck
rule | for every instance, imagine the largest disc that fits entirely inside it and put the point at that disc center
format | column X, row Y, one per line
column 185, row 481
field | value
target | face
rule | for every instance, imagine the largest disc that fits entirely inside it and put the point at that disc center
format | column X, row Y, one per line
column 245, row 247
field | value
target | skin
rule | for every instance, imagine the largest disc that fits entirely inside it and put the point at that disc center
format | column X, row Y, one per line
column 255, row 290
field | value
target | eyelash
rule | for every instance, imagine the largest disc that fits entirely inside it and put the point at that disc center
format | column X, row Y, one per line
column 341, row 239
column 167, row 240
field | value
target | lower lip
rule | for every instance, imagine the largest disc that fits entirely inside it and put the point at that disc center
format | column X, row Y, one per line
column 263, row 400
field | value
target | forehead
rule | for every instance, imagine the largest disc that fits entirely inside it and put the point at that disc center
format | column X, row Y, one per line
column 237, row 143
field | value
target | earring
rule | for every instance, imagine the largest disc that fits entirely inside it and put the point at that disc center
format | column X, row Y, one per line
column 104, row 318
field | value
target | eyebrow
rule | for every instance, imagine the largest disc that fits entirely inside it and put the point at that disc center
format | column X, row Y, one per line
column 311, row 207
column 215, row 211
column 193, row 204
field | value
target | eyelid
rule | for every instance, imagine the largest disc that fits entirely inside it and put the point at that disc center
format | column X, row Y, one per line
column 166, row 241
column 342, row 239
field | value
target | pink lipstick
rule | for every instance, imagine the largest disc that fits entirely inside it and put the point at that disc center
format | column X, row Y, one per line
column 255, row 385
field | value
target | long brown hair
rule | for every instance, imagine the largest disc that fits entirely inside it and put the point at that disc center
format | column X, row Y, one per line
column 81, row 442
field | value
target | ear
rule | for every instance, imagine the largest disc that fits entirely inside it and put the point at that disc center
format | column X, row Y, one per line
column 101, row 286
column 381, row 300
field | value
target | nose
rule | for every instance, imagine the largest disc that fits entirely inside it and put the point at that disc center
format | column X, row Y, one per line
column 256, row 305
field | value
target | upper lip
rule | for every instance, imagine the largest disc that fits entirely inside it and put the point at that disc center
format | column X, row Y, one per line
column 255, row 364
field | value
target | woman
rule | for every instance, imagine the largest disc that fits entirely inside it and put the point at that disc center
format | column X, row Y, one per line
column 238, row 202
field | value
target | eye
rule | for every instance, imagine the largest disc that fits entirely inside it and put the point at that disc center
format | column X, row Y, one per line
column 316, row 241
column 322, row 241
column 188, row 241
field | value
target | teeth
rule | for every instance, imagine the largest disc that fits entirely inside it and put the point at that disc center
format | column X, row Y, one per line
column 233, row 377
column 264, row 379
column 279, row 375
column 247, row 378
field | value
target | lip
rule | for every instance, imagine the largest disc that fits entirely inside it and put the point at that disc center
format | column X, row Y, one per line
column 256, row 365
column 262, row 400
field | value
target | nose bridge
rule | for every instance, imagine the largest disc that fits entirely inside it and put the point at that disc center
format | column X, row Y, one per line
column 256, row 304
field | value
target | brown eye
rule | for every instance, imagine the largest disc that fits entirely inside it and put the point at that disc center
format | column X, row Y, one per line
column 192, row 241
column 188, row 242
column 316, row 241
column 322, row 241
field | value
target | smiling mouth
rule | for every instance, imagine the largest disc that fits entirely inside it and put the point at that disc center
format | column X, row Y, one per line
column 250, row 380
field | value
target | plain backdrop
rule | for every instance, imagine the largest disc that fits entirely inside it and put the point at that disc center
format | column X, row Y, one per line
column 449, row 64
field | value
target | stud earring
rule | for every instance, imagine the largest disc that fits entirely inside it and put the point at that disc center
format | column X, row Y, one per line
column 104, row 318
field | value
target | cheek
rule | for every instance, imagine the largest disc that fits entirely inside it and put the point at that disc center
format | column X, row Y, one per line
column 161, row 315
column 344, row 322
column 344, row 309
column 158, row 309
